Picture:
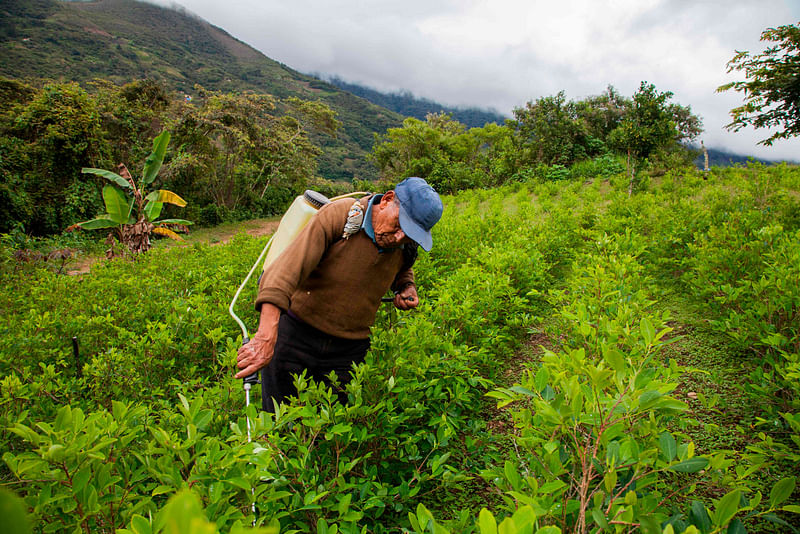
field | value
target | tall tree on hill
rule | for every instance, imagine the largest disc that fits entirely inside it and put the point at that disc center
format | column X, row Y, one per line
column 772, row 86
column 648, row 125
column 602, row 113
column 234, row 147
column 440, row 150
column 549, row 131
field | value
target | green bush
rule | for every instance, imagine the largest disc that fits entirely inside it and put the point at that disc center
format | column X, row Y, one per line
column 588, row 432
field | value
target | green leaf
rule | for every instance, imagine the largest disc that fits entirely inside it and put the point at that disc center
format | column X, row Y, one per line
column 80, row 479
column 112, row 176
column 512, row 475
column 795, row 509
column 650, row 524
column 648, row 332
column 542, row 377
column 551, row 487
column 615, row 358
column 118, row 205
column 12, row 510
column 103, row 221
column 486, row 522
column 736, row 527
column 183, row 513
column 727, row 508
column 140, row 525
column 424, row 516
column 690, row 465
column 649, row 398
column 699, row 516
column 154, row 160
column 782, row 491
column 668, row 446
column 160, row 490
column 599, row 518
column 152, row 210
column 243, row 483
column 344, row 503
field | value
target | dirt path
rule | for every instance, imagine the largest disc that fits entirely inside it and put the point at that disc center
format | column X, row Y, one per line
column 218, row 235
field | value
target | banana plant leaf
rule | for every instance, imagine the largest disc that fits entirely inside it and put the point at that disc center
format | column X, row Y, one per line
column 112, row 176
column 152, row 210
column 153, row 163
column 173, row 221
column 118, row 205
column 167, row 232
column 162, row 195
column 104, row 221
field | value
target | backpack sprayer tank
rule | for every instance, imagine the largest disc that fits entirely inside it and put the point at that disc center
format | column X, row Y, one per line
column 296, row 217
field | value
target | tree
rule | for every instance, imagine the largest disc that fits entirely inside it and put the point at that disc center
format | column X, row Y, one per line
column 48, row 135
column 233, row 147
column 601, row 114
column 772, row 86
column 648, row 125
column 440, row 150
column 550, row 132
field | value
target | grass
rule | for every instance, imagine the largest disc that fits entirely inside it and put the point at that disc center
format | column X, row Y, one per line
column 87, row 248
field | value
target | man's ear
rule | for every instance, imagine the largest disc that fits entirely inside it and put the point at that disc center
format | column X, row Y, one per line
column 387, row 198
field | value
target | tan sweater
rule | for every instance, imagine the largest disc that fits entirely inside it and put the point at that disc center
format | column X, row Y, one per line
column 333, row 284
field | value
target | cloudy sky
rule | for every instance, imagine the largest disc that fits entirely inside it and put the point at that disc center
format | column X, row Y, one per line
column 503, row 53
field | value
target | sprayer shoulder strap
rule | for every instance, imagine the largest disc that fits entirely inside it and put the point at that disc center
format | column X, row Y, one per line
column 355, row 220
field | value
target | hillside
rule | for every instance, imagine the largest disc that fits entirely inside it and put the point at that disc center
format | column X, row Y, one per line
column 718, row 157
column 406, row 104
column 124, row 40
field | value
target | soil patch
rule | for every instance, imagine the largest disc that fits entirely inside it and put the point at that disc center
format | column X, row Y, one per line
column 219, row 235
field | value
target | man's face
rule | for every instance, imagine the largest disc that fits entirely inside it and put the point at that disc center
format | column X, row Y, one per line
column 386, row 223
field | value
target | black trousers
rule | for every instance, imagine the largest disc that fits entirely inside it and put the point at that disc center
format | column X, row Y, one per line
column 301, row 346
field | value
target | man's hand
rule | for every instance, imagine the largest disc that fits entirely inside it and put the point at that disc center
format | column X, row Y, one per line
column 407, row 299
column 258, row 352
column 255, row 355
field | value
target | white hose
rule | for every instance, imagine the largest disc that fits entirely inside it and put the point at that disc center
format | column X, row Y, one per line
column 244, row 282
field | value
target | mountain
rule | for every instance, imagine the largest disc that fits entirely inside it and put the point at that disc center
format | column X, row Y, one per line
column 406, row 104
column 124, row 40
column 718, row 157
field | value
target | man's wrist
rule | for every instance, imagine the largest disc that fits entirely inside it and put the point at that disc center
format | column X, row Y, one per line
column 404, row 287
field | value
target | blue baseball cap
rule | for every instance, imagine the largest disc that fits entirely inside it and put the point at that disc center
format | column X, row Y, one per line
column 420, row 209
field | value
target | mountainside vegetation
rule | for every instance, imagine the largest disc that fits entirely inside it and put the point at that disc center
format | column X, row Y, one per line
column 406, row 104
column 126, row 40
column 234, row 155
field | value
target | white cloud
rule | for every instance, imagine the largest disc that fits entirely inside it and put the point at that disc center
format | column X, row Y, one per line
column 502, row 53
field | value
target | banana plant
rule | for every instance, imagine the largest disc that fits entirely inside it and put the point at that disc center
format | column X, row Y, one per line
column 131, row 210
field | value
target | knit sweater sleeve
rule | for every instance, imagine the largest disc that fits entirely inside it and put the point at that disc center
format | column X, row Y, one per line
column 293, row 265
